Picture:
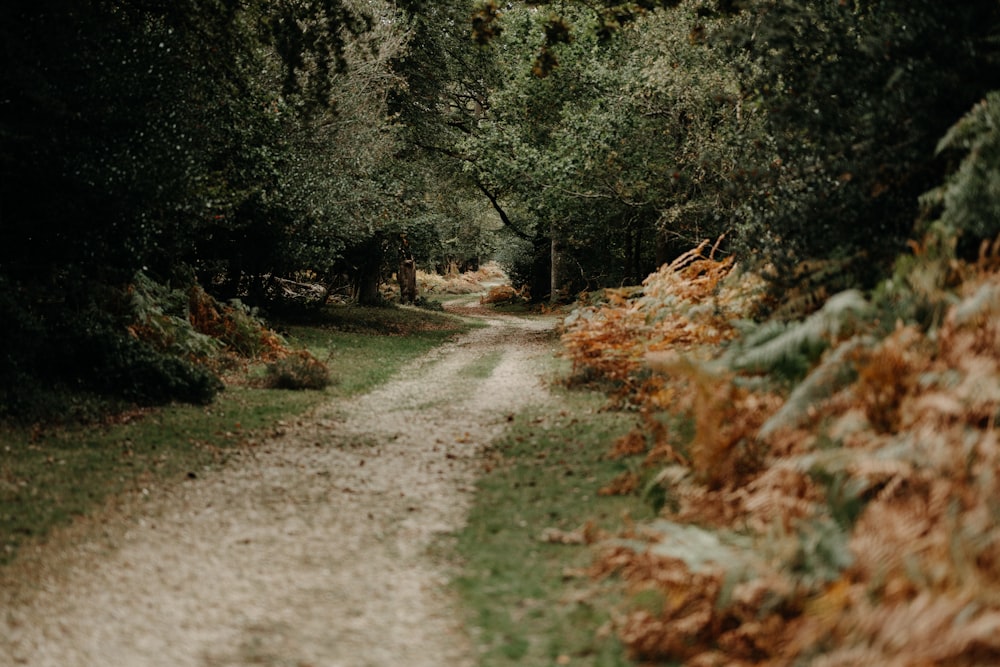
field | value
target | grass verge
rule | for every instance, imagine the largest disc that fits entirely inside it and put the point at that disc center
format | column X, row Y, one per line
column 51, row 474
column 530, row 601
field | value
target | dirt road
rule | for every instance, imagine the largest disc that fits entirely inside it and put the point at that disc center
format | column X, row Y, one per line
column 310, row 549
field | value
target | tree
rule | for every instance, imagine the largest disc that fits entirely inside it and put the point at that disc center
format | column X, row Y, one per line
column 855, row 98
column 447, row 101
column 604, row 143
column 139, row 135
column 804, row 131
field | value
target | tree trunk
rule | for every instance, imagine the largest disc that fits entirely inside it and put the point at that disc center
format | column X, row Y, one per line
column 407, row 276
column 369, row 274
column 540, row 278
column 368, row 294
column 636, row 269
column 557, row 274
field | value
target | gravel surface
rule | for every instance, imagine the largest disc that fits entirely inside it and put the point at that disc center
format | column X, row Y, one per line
column 309, row 549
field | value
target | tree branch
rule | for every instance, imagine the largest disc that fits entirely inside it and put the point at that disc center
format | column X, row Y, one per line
column 503, row 214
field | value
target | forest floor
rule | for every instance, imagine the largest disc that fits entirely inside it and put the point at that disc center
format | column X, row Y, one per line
column 314, row 547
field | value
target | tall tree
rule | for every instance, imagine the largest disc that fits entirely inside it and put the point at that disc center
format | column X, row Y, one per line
column 856, row 96
column 140, row 135
column 806, row 131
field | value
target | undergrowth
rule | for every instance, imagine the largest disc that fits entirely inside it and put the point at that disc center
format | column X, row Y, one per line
column 826, row 487
column 298, row 370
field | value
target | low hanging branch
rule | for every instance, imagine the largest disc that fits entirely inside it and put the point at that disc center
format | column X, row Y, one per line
column 524, row 236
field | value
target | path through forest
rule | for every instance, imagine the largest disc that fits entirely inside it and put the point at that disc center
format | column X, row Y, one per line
column 310, row 549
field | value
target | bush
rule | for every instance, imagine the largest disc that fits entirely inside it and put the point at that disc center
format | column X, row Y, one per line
column 428, row 304
column 118, row 365
column 75, row 349
column 299, row 370
column 527, row 264
column 235, row 324
column 969, row 200
column 161, row 318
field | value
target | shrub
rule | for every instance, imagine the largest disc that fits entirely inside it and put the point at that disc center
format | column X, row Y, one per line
column 235, row 324
column 160, row 318
column 504, row 294
column 298, row 370
column 119, row 365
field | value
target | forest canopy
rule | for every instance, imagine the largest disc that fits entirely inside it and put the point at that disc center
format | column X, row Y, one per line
column 219, row 146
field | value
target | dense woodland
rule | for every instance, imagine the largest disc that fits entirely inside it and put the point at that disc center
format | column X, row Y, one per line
column 153, row 149
column 778, row 220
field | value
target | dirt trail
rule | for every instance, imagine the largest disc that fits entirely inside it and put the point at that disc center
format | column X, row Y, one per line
column 308, row 550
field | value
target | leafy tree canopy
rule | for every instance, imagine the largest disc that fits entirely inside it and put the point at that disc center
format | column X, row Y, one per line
column 586, row 143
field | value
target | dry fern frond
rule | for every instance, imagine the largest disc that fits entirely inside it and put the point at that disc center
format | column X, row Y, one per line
column 928, row 629
column 809, row 285
column 632, row 443
column 688, row 609
column 724, row 449
column 887, row 375
column 605, row 342
column 989, row 256
column 624, row 484
column 501, row 294
column 977, row 309
column 872, row 491
column 781, row 494
column 970, row 334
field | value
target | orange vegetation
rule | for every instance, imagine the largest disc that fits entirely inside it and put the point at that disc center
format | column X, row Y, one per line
column 865, row 530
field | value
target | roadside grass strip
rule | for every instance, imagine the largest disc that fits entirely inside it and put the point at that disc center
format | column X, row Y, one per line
column 524, row 550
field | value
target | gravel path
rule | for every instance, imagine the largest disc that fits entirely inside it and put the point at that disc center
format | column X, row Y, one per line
column 309, row 550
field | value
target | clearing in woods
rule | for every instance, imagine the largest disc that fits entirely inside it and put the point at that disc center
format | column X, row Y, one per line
column 308, row 549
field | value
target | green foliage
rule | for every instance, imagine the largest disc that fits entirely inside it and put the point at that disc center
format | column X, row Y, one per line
column 525, row 262
column 122, row 366
column 162, row 317
column 834, row 371
column 588, row 142
column 822, row 554
column 93, row 113
column 854, row 98
column 806, row 131
column 200, row 134
column 791, row 347
column 429, row 304
column 969, row 200
column 81, row 346
column 917, row 291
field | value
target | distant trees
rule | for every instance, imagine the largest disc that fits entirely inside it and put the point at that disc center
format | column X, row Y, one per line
column 587, row 131
column 618, row 134
column 449, row 81
column 131, row 132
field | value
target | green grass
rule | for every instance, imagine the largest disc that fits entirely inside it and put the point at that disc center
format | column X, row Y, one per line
column 50, row 474
column 544, row 474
